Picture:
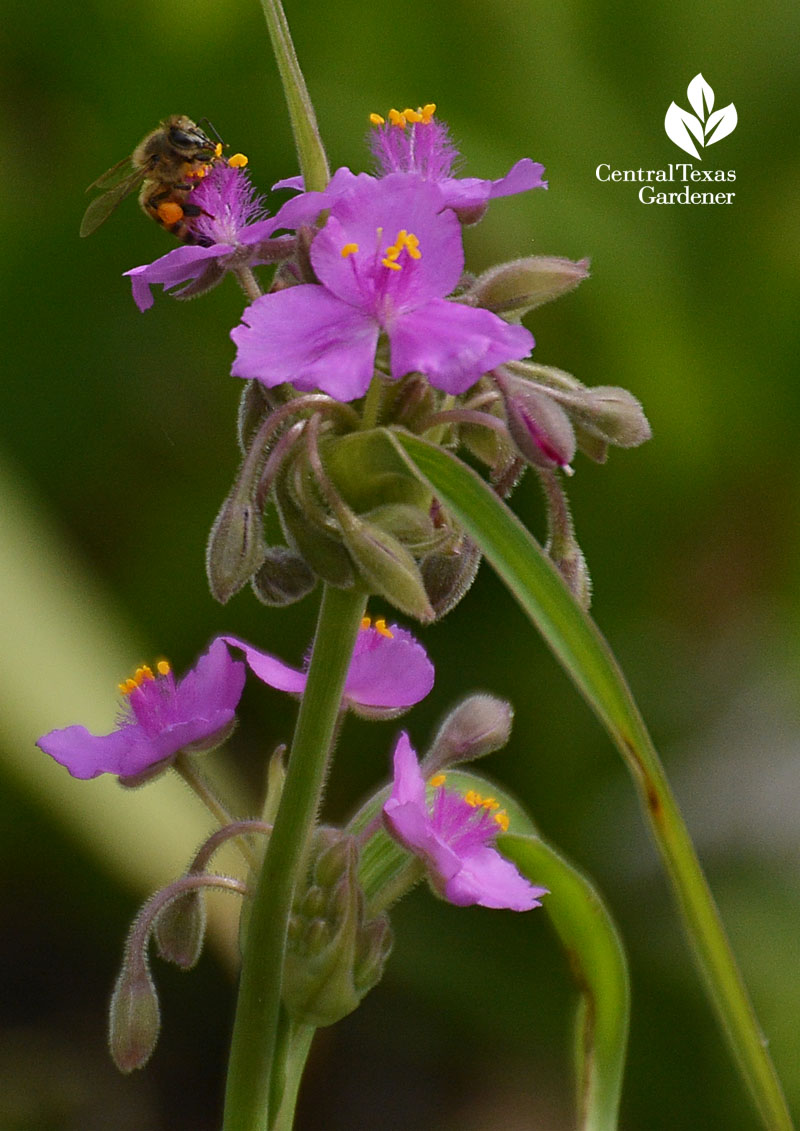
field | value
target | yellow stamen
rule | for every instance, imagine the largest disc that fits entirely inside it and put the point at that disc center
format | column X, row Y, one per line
column 143, row 674
column 365, row 623
column 437, row 780
column 405, row 241
column 397, row 119
column 412, row 116
column 377, row 120
column 473, row 798
column 427, row 112
column 380, row 625
column 502, row 820
column 349, row 249
column 238, row 161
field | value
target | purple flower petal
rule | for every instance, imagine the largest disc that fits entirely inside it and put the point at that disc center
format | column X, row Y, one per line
column 161, row 718
column 307, row 336
column 454, row 345
column 487, row 878
column 175, row 267
column 269, row 669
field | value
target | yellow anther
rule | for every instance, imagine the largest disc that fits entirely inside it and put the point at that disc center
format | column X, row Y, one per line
column 502, row 820
column 397, row 119
column 365, row 622
column 427, row 112
column 380, row 625
column 163, row 668
column 472, row 798
column 412, row 115
column 391, row 265
column 377, row 120
column 238, row 161
column 143, row 673
column 349, row 249
column 437, row 780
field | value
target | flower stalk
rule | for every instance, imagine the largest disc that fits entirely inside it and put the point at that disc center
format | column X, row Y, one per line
column 255, row 1036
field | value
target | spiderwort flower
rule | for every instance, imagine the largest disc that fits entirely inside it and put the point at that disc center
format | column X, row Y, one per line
column 389, row 672
column 415, row 144
column 453, row 836
column 160, row 717
column 413, row 141
column 231, row 231
column 386, row 259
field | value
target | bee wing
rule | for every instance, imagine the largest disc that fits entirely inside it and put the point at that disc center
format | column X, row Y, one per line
column 109, row 175
column 102, row 206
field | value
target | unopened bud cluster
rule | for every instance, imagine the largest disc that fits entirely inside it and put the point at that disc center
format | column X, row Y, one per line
column 335, row 954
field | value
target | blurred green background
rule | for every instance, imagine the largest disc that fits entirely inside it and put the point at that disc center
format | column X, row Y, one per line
column 117, row 446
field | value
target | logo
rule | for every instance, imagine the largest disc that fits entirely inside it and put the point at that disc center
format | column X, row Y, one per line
column 706, row 126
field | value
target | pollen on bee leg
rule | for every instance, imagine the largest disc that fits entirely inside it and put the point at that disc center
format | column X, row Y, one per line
column 169, row 212
column 237, row 161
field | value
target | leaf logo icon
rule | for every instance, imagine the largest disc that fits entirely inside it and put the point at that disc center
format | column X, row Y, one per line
column 706, row 126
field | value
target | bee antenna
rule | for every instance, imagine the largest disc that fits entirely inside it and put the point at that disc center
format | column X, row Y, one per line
column 211, row 129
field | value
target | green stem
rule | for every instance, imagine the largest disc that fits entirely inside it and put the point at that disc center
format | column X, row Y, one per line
column 254, row 1042
column 313, row 162
column 199, row 784
column 298, row 1042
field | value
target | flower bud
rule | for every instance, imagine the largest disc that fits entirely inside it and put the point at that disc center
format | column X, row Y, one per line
column 282, row 578
column 411, row 526
column 374, row 947
column 571, row 563
column 386, row 567
column 180, row 930
column 333, row 956
column 134, row 1019
column 235, row 546
column 613, row 415
column 538, row 426
column 512, row 289
column 322, row 551
column 476, row 727
column 448, row 574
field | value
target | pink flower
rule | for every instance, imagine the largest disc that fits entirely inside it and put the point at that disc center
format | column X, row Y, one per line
column 160, row 717
column 386, row 259
column 230, row 231
column 453, row 835
column 389, row 672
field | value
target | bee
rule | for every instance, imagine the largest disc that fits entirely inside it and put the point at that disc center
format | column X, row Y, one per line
column 165, row 166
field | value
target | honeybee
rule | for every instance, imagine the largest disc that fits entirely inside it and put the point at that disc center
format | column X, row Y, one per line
column 167, row 164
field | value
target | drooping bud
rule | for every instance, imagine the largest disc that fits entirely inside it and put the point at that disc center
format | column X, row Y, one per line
column 386, row 566
column 512, row 289
column 601, row 414
column 539, row 427
column 283, row 577
column 323, row 552
column 476, row 727
column 334, row 955
column 134, row 1019
column 448, row 574
column 235, row 546
column 562, row 546
column 180, row 930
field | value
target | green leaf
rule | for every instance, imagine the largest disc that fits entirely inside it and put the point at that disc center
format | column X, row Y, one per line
column 579, row 646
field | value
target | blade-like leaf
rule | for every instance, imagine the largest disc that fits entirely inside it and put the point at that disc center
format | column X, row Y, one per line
column 721, row 123
column 701, row 97
column 678, row 123
column 590, row 940
column 578, row 644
